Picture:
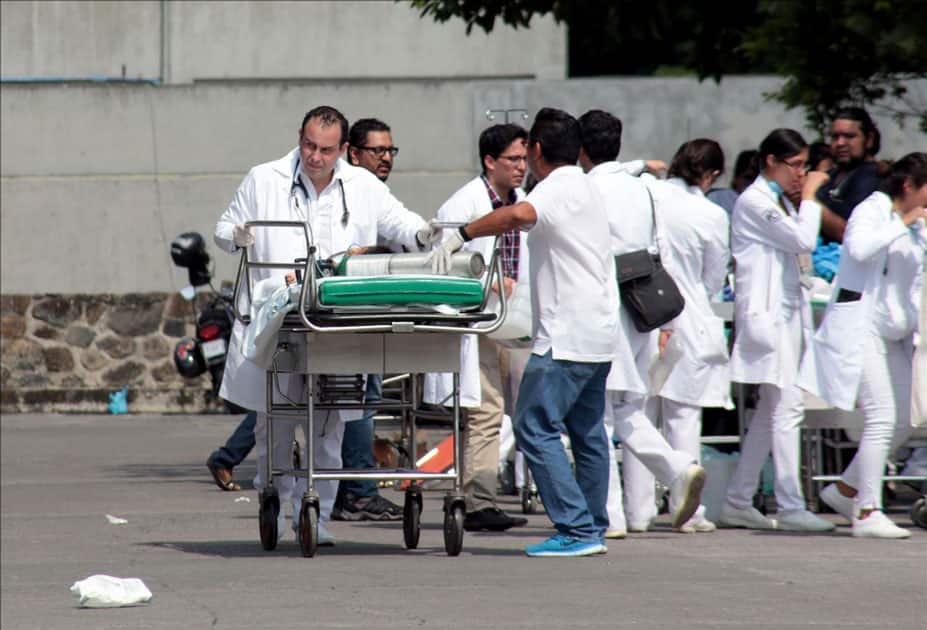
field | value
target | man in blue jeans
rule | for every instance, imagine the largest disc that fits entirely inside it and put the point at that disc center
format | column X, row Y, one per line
column 222, row 461
column 575, row 322
column 370, row 146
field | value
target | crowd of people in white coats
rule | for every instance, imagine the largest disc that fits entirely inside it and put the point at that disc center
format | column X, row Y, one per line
column 588, row 374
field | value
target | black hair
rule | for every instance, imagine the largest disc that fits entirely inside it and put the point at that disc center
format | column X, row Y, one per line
column 357, row 137
column 913, row 166
column 745, row 164
column 327, row 116
column 781, row 144
column 494, row 140
column 601, row 135
column 817, row 153
column 558, row 134
column 695, row 158
column 866, row 125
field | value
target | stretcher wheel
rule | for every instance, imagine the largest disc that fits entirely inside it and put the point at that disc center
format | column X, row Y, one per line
column 528, row 504
column 453, row 529
column 268, row 511
column 411, row 519
column 919, row 512
column 308, row 528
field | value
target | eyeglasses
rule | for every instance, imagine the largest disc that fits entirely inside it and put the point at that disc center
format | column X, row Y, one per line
column 799, row 166
column 381, row 151
column 513, row 159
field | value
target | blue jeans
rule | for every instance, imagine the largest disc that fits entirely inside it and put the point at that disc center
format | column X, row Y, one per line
column 357, row 445
column 570, row 394
column 238, row 445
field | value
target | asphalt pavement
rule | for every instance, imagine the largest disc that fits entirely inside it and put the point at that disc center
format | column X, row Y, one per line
column 197, row 550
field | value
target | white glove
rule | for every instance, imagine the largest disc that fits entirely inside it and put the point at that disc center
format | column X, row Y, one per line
column 243, row 236
column 430, row 234
column 440, row 258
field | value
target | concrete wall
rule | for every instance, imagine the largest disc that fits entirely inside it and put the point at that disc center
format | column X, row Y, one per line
column 98, row 179
column 180, row 42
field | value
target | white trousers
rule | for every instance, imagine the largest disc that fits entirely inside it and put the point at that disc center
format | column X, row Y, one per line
column 647, row 455
column 329, row 431
column 884, row 395
column 682, row 425
column 774, row 427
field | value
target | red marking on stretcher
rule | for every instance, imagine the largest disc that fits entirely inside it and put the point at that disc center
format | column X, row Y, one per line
column 438, row 460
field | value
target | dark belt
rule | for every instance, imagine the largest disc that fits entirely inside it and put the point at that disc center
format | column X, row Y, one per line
column 846, row 295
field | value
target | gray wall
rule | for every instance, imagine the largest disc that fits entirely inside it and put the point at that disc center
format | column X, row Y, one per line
column 97, row 180
column 180, row 42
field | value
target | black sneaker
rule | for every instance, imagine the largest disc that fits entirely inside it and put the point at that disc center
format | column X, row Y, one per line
column 354, row 508
column 491, row 519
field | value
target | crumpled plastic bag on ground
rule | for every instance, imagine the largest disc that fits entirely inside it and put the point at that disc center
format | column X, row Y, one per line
column 115, row 520
column 106, row 591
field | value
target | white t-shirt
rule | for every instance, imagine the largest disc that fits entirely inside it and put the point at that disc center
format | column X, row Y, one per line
column 574, row 296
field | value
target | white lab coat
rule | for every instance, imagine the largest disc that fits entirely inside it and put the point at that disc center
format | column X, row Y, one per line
column 265, row 194
column 629, row 222
column 695, row 253
column 468, row 204
column 766, row 242
column 881, row 260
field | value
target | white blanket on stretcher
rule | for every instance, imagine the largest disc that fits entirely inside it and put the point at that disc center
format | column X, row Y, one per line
column 271, row 301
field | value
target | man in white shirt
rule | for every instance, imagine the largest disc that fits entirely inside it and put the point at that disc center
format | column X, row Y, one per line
column 342, row 206
column 630, row 216
column 575, row 322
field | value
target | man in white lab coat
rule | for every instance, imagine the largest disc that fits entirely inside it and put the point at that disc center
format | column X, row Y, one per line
column 342, row 206
column 628, row 208
column 502, row 155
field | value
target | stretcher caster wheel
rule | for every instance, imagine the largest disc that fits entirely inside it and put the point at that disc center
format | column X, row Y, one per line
column 919, row 513
column 308, row 528
column 268, row 511
column 453, row 529
column 528, row 504
column 411, row 518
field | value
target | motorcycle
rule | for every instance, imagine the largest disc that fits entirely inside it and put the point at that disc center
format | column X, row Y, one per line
column 207, row 349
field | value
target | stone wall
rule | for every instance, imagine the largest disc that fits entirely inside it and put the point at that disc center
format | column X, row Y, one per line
column 67, row 353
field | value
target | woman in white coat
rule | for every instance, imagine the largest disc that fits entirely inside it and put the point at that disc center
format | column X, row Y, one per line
column 341, row 206
column 695, row 253
column 772, row 318
column 864, row 346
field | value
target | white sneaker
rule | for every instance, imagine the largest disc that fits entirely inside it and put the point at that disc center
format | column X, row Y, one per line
column 877, row 525
column 325, row 537
column 697, row 523
column 836, row 501
column 748, row 517
column 616, row 533
column 802, row 521
column 688, row 487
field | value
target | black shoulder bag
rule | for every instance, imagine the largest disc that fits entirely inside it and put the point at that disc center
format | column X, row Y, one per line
column 647, row 290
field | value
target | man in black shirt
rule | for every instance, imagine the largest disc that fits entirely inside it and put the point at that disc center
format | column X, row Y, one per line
column 854, row 141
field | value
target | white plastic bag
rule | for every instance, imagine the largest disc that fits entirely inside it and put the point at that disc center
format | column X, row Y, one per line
column 517, row 324
column 106, row 591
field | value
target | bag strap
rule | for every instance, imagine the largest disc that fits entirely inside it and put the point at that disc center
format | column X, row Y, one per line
column 653, row 224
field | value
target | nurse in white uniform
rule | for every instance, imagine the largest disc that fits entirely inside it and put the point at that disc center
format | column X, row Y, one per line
column 343, row 206
column 695, row 253
column 772, row 318
column 864, row 346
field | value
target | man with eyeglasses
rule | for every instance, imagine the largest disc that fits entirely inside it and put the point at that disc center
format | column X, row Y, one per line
column 484, row 361
column 370, row 146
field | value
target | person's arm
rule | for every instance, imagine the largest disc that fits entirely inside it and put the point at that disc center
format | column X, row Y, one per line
column 868, row 233
column 768, row 224
column 240, row 211
column 833, row 226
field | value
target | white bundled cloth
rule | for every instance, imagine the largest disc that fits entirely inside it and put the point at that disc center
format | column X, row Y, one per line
column 271, row 301
column 106, row 591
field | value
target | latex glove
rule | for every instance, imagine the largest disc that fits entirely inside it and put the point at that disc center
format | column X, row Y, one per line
column 440, row 258
column 243, row 236
column 430, row 234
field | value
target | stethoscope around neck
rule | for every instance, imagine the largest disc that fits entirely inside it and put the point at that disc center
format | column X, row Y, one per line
column 298, row 184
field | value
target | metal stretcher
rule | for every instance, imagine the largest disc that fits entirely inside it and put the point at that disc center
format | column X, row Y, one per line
column 335, row 342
